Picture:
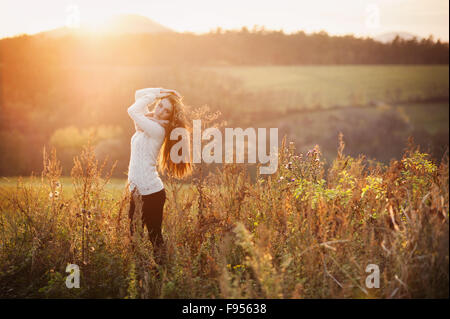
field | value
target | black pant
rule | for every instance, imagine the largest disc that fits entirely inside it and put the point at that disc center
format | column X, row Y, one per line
column 152, row 212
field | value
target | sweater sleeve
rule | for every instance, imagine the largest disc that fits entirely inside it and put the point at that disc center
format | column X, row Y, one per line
column 142, row 92
column 137, row 113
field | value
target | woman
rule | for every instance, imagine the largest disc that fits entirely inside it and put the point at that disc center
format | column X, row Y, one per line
column 153, row 134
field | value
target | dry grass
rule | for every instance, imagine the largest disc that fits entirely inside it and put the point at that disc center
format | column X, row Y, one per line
column 301, row 233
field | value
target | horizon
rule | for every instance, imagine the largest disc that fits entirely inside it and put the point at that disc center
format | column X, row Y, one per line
column 362, row 19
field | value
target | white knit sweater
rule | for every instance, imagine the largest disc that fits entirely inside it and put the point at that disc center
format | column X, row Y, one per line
column 145, row 145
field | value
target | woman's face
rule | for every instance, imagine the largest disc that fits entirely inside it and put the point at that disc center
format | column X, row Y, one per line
column 163, row 110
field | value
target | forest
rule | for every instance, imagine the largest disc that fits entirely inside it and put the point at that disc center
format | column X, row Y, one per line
column 231, row 47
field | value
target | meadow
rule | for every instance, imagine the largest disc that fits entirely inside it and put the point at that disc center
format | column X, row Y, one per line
column 343, row 85
column 307, row 231
column 303, row 232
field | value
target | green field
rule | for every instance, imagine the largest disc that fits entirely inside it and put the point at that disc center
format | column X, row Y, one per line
column 309, row 86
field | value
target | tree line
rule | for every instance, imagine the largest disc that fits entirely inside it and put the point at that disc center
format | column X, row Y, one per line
column 231, row 47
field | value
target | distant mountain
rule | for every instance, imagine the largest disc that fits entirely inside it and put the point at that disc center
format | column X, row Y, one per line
column 133, row 23
column 119, row 24
column 390, row 36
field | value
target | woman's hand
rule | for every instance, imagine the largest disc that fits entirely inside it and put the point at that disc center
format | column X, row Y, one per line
column 166, row 92
column 163, row 95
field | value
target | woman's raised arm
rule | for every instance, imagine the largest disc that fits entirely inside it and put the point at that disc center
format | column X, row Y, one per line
column 138, row 110
column 142, row 92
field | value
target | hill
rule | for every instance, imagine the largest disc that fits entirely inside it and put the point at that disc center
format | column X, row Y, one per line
column 118, row 25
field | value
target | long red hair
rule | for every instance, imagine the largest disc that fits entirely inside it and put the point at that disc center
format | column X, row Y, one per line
column 177, row 119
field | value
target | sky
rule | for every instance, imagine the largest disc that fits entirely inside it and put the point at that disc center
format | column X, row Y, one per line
column 337, row 17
